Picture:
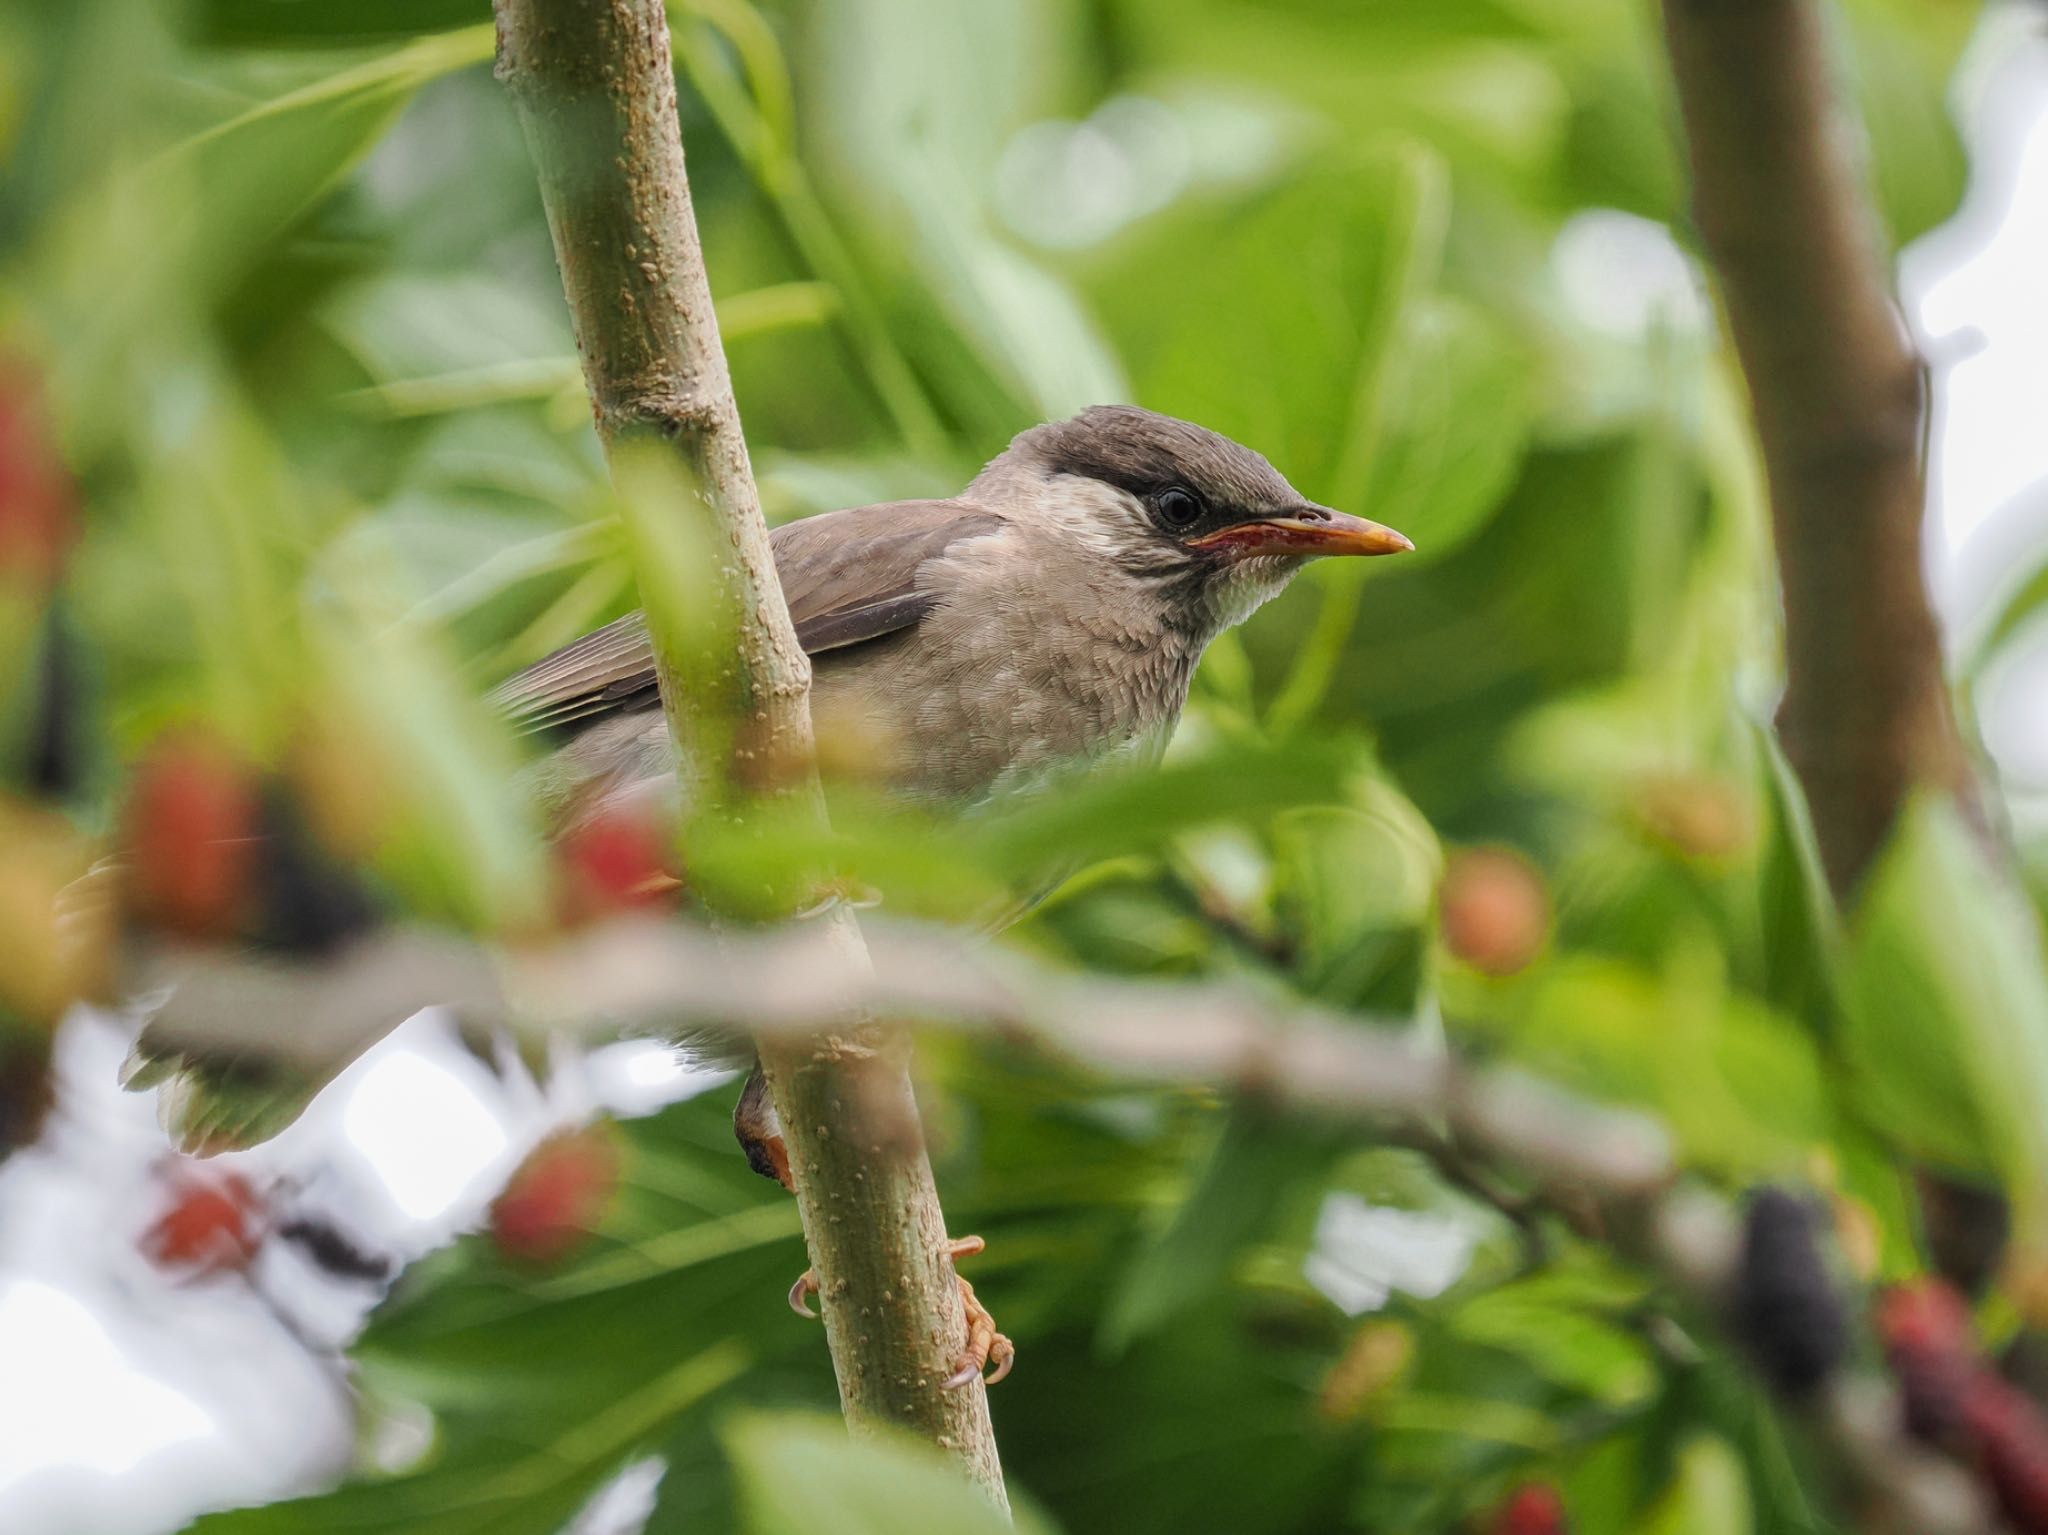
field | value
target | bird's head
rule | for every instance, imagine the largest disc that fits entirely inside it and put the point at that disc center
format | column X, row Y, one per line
column 1212, row 526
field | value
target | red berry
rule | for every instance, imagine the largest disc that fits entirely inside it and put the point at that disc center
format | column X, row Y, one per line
column 558, row 1195
column 1496, row 913
column 616, row 860
column 1925, row 1317
column 1534, row 1508
column 2011, row 1444
column 191, row 829
column 1925, row 1327
column 37, row 505
column 210, row 1226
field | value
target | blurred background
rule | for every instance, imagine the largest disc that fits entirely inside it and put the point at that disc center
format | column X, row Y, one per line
column 287, row 390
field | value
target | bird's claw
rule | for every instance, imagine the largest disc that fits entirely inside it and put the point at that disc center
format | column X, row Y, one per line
column 985, row 1346
column 801, row 1292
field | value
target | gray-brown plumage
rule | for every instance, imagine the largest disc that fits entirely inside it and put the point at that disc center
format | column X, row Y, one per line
column 1051, row 615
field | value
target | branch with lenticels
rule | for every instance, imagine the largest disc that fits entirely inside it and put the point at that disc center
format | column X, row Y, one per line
column 594, row 83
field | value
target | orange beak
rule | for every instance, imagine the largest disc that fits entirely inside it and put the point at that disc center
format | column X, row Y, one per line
column 1308, row 530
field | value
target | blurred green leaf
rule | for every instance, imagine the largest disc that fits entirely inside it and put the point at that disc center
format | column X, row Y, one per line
column 1353, row 889
column 1739, row 1084
column 1709, row 1495
column 1480, row 82
column 1232, row 1201
column 1565, row 1342
column 1798, row 925
column 294, row 23
column 801, row 1476
column 1947, row 1010
column 459, row 836
column 533, row 1494
column 1112, row 813
column 1900, row 57
column 1303, row 370
column 2016, row 610
column 422, row 338
column 1452, row 422
column 956, row 82
column 258, row 169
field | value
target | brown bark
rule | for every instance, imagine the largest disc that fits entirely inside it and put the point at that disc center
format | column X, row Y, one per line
column 595, row 89
column 1839, row 406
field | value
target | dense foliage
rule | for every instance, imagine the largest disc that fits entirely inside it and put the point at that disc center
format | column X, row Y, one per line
column 280, row 299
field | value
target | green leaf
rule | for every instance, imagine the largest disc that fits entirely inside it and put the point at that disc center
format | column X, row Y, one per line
column 1561, row 1340
column 1230, row 1205
column 1477, row 79
column 1799, row 931
column 295, row 24
column 1451, row 421
column 1739, row 1084
column 1899, row 60
column 1353, row 888
column 256, row 171
column 802, row 1475
column 1708, row 1496
column 1947, row 1000
column 460, row 843
column 442, row 341
column 1007, row 334
column 2023, row 602
column 1301, row 369
column 1112, row 813
column 532, row 1494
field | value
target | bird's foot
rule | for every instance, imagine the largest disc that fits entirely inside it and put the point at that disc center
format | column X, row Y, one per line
column 985, row 1346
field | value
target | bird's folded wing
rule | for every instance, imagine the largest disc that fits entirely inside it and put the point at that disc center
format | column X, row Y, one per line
column 848, row 577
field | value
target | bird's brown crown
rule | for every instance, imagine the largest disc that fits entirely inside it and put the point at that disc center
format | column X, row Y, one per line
column 1148, row 454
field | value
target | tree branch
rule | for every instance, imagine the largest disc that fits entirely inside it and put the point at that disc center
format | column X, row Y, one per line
column 595, row 88
column 1839, row 403
column 1301, row 1058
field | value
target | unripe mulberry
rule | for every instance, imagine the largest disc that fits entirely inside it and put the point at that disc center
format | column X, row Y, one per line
column 1495, row 910
column 558, row 1196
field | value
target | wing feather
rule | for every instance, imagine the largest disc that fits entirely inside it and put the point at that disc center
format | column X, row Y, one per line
column 848, row 577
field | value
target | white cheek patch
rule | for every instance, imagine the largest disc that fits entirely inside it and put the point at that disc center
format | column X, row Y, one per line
column 1100, row 517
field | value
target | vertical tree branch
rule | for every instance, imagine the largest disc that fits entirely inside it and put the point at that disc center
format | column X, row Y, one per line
column 1838, row 400
column 595, row 89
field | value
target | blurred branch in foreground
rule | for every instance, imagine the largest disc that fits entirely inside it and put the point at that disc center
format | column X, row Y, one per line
column 595, row 86
column 1839, row 401
column 785, row 984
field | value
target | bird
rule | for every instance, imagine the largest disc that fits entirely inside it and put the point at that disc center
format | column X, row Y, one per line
column 1049, row 616
column 1045, row 621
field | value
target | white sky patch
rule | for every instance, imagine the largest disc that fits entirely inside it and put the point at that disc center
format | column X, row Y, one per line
column 1978, row 299
column 425, row 1133
column 624, row 1504
column 1065, row 185
column 1626, row 277
column 1365, row 1252
column 639, row 1076
column 88, row 1408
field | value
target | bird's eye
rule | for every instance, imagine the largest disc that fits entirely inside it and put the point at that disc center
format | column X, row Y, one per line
column 1178, row 508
